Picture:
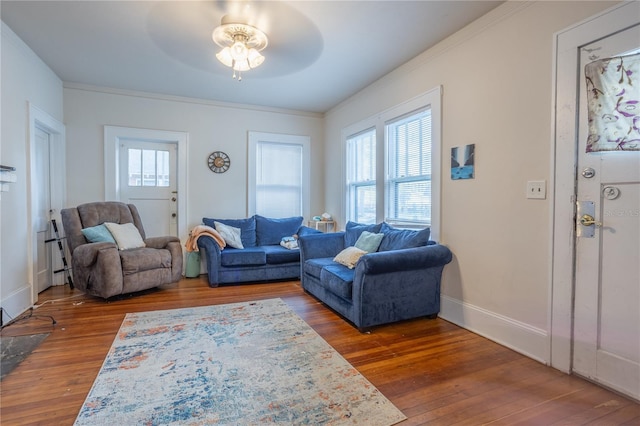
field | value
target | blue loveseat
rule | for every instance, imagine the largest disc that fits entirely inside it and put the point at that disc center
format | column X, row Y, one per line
column 262, row 258
column 398, row 280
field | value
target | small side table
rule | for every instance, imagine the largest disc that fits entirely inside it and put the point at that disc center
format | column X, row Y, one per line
column 323, row 225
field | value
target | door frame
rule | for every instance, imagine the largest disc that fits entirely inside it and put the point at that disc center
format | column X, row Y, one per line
column 564, row 161
column 38, row 118
column 112, row 136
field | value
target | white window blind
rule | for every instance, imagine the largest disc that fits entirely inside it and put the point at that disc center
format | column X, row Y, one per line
column 279, row 179
column 409, row 169
column 361, row 177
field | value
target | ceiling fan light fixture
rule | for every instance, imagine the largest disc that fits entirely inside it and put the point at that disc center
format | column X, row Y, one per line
column 239, row 51
column 241, row 45
column 225, row 57
column 255, row 58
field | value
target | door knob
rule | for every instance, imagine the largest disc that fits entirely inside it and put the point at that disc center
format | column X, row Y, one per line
column 173, row 199
column 173, row 215
column 588, row 220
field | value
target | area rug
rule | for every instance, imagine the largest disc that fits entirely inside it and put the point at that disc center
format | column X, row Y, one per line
column 16, row 349
column 247, row 363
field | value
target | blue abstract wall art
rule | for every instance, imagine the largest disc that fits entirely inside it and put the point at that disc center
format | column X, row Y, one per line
column 462, row 162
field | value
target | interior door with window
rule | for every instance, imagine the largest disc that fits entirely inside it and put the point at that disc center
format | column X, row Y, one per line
column 148, row 180
column 44, row 271
column 607, row 278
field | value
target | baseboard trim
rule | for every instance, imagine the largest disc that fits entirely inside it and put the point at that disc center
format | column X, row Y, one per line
column 16, row 303
column 523, row 338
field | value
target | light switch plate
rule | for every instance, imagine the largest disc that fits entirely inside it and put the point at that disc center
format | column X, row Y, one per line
column 537, row 189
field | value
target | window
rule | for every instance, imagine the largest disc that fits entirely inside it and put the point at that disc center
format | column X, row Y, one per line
column 361, row 177
column 278, row 175
column 398, row 182
column 409, row 169
column 148, row 167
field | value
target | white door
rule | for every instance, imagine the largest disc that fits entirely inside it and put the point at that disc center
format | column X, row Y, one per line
column 607, row 270
column 42, row 187
column 148, row 180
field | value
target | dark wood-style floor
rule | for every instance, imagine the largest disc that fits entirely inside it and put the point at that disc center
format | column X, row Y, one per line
column 432, row 370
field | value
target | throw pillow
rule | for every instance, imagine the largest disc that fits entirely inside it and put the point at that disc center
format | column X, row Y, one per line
column 247, row 228
column 230, row 235
column 353, row 230
column 395, row 239
column 270, row 231
column 126, row 235
column 98, row 234
column 369, row 242
column 349, row 256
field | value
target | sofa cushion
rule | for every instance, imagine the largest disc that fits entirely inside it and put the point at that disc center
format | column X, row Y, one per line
column 270, row 231
column 232, row 236
column 144, row 259
column 396, row 239
column 247, row 228
column 353, row 230
column 249, row 256
column 369, row 241
column 278, row 254
column 338, row 280
column 313, row 267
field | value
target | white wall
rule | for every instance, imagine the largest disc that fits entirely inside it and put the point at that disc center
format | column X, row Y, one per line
column 496, row 76
column 211, row 127
column 24, row 79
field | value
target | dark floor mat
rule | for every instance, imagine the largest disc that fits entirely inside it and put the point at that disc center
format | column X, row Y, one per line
column 16, row 349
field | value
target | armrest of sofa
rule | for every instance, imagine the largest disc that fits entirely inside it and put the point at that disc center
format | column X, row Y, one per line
column 404, row 259
column 396, row 285
column 212, row 255
column 86, row 255
column 321, row 245
column 97, row 269
column 174, row 246
column 161, row 242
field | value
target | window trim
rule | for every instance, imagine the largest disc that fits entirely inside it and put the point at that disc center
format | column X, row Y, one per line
column 252, row 142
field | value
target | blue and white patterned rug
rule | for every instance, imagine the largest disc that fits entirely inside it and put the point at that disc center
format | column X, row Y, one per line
column 238, row 364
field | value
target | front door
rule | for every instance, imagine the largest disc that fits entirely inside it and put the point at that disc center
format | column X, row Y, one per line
column 606, row 338
column 148, row 180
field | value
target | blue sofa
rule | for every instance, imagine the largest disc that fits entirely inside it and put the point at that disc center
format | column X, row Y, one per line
column 398, row 281
column 262, row 258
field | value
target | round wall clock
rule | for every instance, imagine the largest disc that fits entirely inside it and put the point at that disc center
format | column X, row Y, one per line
column 219, row 162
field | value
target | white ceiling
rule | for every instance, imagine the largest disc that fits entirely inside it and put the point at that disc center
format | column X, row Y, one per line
column 319, row 52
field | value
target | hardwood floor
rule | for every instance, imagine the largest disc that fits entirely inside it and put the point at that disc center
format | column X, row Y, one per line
column 432, row 370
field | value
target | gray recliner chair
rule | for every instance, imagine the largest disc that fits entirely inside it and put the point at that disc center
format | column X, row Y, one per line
column 102, row 268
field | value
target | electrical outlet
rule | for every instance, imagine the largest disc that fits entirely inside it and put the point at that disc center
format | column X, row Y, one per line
column 537, row 189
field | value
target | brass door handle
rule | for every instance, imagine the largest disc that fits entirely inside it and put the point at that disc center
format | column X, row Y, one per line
column 588, row 220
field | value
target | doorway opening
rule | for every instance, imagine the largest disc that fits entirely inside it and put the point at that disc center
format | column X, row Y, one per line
column 47, row 196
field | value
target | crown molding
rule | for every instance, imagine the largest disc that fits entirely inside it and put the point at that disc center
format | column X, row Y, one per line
column 184, row 99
